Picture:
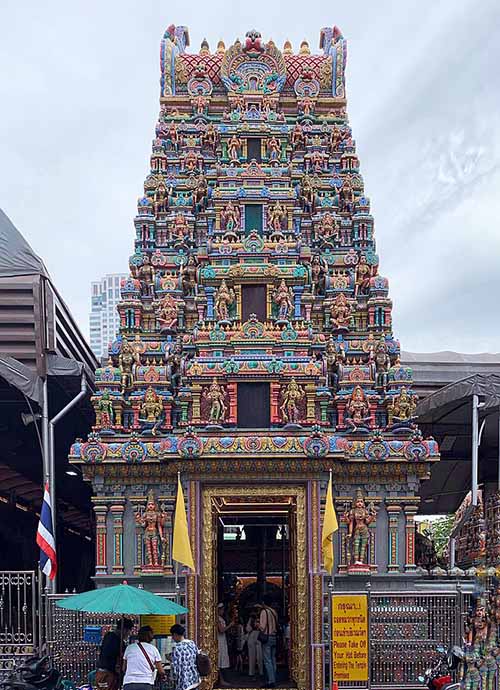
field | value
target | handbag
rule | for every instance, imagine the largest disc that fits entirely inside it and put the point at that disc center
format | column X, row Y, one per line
column 154, row 670
column 203, row 664
column 263, row 637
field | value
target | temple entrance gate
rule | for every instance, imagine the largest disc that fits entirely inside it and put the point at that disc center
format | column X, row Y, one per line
column 19, row 624
column 288, row 504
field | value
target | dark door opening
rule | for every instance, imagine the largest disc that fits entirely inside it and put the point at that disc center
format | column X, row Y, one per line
column 253, row 570
column 254, row 301
column 253, row 218
column 254, row 406
column 254, row 150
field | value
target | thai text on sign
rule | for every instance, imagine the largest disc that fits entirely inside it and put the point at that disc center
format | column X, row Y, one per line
column 161, row 624
column 350, row 636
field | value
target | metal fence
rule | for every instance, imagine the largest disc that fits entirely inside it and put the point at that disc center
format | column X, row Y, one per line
column 65, row 633
column 405, row 629
column 18, row 617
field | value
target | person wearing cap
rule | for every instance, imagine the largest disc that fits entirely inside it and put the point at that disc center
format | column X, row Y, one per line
column 223, row 656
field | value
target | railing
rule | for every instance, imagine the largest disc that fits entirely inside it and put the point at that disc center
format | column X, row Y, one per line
column 71, row 655
column 18, row 617
column 405, row 629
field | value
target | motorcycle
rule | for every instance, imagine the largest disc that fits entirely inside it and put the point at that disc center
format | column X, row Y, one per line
column 33, row 674
column 438, row 676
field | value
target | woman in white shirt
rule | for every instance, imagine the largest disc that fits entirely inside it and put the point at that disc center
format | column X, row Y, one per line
column 141, row 662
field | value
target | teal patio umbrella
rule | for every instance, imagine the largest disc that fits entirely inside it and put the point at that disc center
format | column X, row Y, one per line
column 123, row 600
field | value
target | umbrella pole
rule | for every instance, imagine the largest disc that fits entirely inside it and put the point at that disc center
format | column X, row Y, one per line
column 120, row 657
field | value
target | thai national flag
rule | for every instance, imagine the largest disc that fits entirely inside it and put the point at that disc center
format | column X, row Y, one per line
column 45, row 538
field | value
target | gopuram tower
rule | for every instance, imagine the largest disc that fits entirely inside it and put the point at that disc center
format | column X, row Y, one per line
column 255, row 352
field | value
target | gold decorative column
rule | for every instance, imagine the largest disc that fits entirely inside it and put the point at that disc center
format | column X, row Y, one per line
column 410, row 511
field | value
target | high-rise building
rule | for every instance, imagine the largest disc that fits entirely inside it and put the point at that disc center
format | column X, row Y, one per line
column 104, row 318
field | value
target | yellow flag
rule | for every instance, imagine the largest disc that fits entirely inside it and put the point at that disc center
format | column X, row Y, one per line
column 181, row 551
column 330, row 526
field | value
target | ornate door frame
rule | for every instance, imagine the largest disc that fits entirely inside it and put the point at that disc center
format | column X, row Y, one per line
column 206, row 597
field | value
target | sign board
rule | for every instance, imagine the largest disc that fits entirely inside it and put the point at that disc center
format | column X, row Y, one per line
column 161, row 624
column 350, row 637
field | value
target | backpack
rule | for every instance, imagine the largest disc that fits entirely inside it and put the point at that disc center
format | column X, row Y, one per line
column 203, row 664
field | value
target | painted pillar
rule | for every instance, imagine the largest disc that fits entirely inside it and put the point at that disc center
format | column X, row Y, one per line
column 101, row 564
column 117, row 511
column 393, row 512
column 410, row 511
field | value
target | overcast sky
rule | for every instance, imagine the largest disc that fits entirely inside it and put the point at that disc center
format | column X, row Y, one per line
column 79, row 101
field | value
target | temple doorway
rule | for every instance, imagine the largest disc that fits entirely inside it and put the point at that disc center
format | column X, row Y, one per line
column 254, row 562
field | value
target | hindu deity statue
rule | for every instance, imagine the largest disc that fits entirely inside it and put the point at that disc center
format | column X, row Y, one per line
column 200, row 104
column 346, row 197
column 152, row 520
column 306, row 194
column 190, row 161
column 336, row 138
column 357, row 410
column 233, row 149
column 215, row 395
column 210, row 137
column 105, row 414
column 273, row 150
column 297, row 137
column 175, row 360
column 127, row 359
column 230, row 218
column 306, row 106
column 276, row 217
column 292, row 393
column 319, row 274
column 380, row 363
column 401, row 408
column 146, row 276
column 472, row 677
column 329, row 227
column 341, row 312
column 334, row 364
column 173, row 135
column 188, row 276
column 168, row 313
column 364, row 273
column 224, row 298
column 200, row 193
column 180, row 227
column 283, row 299
column 160, row 199
column 358, row 518
column 151, row 411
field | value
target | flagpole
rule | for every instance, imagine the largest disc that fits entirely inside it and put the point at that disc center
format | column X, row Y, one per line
column 331, row 587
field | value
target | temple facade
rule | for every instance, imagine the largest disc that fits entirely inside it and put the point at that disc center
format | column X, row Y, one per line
column 255, row 352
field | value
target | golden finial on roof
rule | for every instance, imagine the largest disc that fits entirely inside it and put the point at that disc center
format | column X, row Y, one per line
column 287, row 48
column 221, row 47
column 204, row 48
column 304, row 48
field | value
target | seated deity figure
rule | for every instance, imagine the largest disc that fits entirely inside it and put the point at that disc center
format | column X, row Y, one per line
column 168, row 313
column 151, row 412
column 341, row 312
column 357, row 411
